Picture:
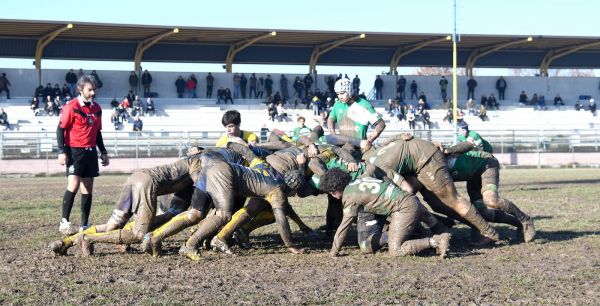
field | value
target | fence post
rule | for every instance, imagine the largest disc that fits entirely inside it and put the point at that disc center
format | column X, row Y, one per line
column 148, row 143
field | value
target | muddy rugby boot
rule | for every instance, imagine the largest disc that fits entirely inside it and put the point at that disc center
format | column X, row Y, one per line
column 151, row 245
column 241, row 239
column 218, row 244
column 66, row 228
column 441, row 243
column 58, row 248
column 190, row 253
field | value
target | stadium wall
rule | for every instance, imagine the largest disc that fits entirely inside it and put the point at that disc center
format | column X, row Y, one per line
column 24, row 82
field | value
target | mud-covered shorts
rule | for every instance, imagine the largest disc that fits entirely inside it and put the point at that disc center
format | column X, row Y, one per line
column 434, row 175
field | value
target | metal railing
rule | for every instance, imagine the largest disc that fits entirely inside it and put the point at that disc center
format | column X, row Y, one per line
column 26, row 145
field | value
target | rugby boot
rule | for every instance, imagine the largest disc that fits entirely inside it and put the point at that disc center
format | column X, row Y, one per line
column 241, row 239
column 441, row 243
column 219, row 245
column 151, row 246
column 58, row 248
column 190, row 253
column 528, row 230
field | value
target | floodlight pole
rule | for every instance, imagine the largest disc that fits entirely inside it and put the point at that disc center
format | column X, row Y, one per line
column 454, row 80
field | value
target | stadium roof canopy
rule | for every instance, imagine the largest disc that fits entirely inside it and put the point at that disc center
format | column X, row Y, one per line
column 117, row 42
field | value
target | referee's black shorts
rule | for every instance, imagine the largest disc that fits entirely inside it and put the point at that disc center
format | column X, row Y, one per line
column 82, row 162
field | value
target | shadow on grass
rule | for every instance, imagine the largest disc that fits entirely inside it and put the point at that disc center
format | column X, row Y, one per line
column 546, row 236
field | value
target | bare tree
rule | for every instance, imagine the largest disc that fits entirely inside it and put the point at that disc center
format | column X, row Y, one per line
column 430, row 71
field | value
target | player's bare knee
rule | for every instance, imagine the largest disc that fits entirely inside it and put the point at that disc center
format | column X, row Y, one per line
column 194, row 215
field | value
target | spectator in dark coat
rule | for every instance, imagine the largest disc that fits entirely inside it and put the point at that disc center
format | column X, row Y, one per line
column 180, row 86
column 146, row 82
column 133, row 82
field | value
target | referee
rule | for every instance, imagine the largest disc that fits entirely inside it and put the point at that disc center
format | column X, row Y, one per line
column 78, row 134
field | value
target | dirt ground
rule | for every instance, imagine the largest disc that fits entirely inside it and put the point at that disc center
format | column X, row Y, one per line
column 562, row 265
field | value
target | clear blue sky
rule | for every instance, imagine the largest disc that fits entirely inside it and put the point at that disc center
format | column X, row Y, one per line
column 503, row 17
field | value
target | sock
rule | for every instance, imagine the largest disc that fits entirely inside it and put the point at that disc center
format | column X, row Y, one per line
column 86, row 208
column 67, row 204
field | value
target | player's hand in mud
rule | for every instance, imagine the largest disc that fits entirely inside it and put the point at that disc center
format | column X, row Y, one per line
column 296, row 250
column 312, row 150
column 300, row 159
column 352, row 167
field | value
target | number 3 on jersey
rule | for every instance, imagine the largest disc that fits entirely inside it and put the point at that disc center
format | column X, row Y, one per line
column 368, row 183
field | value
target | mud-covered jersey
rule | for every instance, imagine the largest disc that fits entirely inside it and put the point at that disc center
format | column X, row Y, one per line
column 405, row 157
column 373, row 195
column 284, row 160
column 354, row 120
column 341, row 164
column 209, row 157
column 479, row 143
column 465, row 166
column 174, row 176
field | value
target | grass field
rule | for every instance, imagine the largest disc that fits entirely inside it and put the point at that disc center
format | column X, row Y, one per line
column 561, row 266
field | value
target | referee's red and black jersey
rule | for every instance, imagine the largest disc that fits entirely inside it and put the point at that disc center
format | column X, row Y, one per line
column 81, row 123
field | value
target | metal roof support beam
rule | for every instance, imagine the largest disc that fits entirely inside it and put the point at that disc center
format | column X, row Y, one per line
column 478, row 53
column 326, row 47
column 554, row 54
column 43, row 42
column 147, row 43
column 407, row 49
column 241, row 45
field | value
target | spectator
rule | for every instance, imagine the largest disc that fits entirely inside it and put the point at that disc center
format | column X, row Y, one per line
column 190, row 87
column 272, row 111
column 492, row 102
column 58, row 103
column 410, row 117
column 592, row 107
column 260, row 87
column 483, row 113
column 378, row 88
column 330, row 83
column 146, row 82
column 39, row 92
column 228, row 95
column 133, row 82
column 444, row 87
column 195, row 85
column 356, row 85
column 301, row 130
column 80, row 73
column 114, row 103
column 130, row 97
column 484, row 100
column 99, row 83
column 49, row 91
column 315, row 105
column 281, row 113
column 253, row 87
column 71, row 79
column 558, row 101
column 534, row 100
column 51, row 108
column 57, row 92
column 423, row 97
column 65, row 90
column 180, row 86
column 471, row 107
column 150, row 106
column 400, row 88
column 283, row 86
column 422, row 104
column 210, row 80
column 4, row 118
column 471, row 84
column 523, row 99
column 541, row 104
column 308, row 81
column 137, row 109
column 426, row 119
column 413, row 90
column 298, row 87
column 236, row 86
column 220, row 95
column 390, row 107
column 277, row 97
column 269, row 85
column 243, row 85
column 35, row 106
column 450, row 116
column 124, row 108
column 578, row 105
column 138, row 124
column 501, row 87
